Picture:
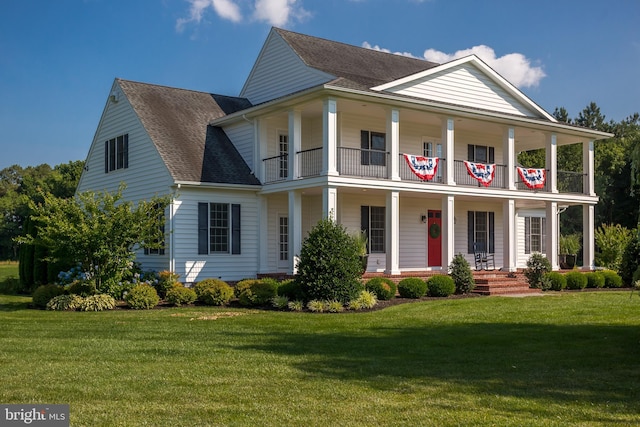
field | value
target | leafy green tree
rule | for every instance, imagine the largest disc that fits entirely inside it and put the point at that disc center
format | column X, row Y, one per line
column 100, row 231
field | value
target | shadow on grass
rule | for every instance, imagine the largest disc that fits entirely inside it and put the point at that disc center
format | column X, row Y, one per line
column 562, row 364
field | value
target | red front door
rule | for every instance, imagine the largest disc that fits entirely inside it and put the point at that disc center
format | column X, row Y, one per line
column 434, row 238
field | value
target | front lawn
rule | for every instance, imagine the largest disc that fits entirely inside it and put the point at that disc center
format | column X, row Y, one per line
column 566, row 359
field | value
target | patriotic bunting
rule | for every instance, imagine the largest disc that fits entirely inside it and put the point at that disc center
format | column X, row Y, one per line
column 482, row 172
column 425, row 168
column 532, row 178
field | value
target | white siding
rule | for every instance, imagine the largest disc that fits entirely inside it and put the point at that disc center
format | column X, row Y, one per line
column 277, row 205
column 461, row 217
column 241, row 135
column 193, row 267
column 464, row 85
column 279, row 71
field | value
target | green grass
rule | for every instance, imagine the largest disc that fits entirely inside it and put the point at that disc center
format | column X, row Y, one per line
column 8, row 269
column 570, row 359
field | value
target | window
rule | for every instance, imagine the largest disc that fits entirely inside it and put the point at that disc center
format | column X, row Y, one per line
column 373, row 145
column 283, row 238
column 372, row 222
column 283, row 152
column 480, row 153
column 218, row 228
column 116, row 153
column 534, row 234
column 433, row 149
column 481, row 229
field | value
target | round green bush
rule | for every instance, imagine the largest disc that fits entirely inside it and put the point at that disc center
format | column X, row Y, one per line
column 164, row 281
column 537, row 266
column 142, row 297
column 82, row 288
column 557, row 281
column 460, row 272
column 595, row 279
column 98, row 302
column 576, row 280
column 213, row 292
column 43, row 294
column 179, row 295
column 65, row 302
column 256, row 291
column 382, row 287
column 611, row 279
column 412, row 287
column 329, row 267
column 291, row 289
column 440, row 286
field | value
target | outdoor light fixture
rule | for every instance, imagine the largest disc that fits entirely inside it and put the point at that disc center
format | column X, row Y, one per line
column 423, row 219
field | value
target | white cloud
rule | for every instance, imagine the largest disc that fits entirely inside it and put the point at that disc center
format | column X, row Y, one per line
column 367, row 45
column 275, row 12
column 515, row 67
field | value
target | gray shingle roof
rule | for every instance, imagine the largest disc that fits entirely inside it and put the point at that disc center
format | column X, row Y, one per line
column 364, row 68
column 177, row 122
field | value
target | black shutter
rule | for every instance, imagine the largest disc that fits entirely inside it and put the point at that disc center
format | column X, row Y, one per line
column 492, row 227
column 106, row 157
column 235, row 229
column 491, row 155
column 470, row 231
column 364, row 223
column 471, row 152
column 203, row 228
column 364, row 145
column 126, row 151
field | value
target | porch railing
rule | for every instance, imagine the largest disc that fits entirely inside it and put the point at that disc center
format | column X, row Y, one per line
column 571, row 182
column 362, row 163
column 310, row 162
column 406, row 174
column 276, row 168
column 462, row 177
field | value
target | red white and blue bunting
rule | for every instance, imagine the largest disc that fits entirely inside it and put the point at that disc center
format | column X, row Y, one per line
column 424, row 168
column 482, row 172
column 532, row 178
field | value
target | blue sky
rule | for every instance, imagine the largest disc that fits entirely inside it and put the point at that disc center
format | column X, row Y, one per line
column 58, row 58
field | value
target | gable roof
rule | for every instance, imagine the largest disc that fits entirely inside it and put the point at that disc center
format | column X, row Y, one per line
column 177, row 120
column 352, row 66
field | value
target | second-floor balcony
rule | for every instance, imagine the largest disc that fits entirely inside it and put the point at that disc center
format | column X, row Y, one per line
column 375, row 164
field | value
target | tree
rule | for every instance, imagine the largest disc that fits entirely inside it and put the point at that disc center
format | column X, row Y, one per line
column 99, row 231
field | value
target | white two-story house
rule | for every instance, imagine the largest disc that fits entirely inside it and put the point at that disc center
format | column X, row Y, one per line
column 322, row 129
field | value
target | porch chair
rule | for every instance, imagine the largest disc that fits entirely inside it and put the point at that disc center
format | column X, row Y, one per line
column 482, row 257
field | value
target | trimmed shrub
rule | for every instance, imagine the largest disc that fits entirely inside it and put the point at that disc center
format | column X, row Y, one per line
column 82, row 288
column 316, row 305
column 365, row 299
column 330, row 267
column 256, row 291
column 296, row 305
column 554, row 280
column 65, row 302
column 98, row 302
column 537, row 266
column 10, row 286
column 383, row 288
column 334, row 306
column 213, row 292
column 165, row 282
column 460, row 272
column 179, row 295
column 576, row 280
column 142, row 297
column 595, row 279
column 412, row 287
column 280, row 302
column 611, row 279
column 440, row 286
column 43, row 294
column 291, row 289
column 630, row 258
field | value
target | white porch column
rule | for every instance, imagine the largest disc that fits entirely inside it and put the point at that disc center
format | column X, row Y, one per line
column 295, row 229
column 552, row 164
column 329, row 137
column 330, row 203
column 263, row 237
column 553, row 231
column 392, row 248
column 260, row 135
column 588, row 236
column 393, row 143
column 448, row 146
column 448, row 230
column 509, row 150
column 295, row 143
column 509, row 260
column 588, row 167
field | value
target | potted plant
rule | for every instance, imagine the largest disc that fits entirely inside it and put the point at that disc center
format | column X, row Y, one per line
column 569, row 247
column 360, row 240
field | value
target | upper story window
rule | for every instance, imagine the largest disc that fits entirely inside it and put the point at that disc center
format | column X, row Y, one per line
column 480, row 153
column 116, row 153
column 373, row 145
